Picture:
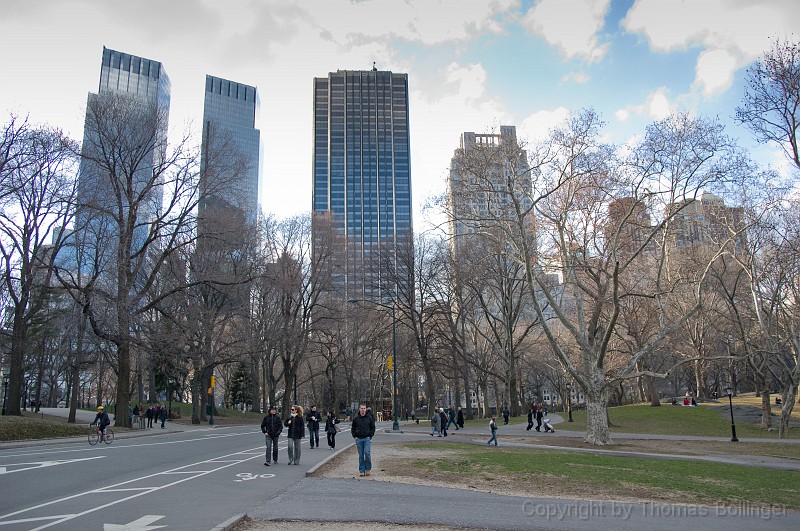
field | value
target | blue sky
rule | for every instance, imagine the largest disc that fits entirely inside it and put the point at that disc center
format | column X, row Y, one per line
column 473, row 65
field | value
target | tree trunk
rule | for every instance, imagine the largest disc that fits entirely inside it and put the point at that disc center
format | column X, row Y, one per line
column 652, row 390
column 786, row 411
column 766, row 410
column 597, row 432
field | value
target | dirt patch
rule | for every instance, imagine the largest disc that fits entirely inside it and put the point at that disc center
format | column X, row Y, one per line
column 252, row 525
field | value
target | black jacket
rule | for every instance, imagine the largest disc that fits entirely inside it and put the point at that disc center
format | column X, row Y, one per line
column 330, row 424
column 363, row 427
column 272, row 425
column 297, row 428
column 102, row 419
column 313, row 424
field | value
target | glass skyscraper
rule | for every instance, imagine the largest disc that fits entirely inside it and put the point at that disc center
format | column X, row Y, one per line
column 231, row 148
column 124, row 140
column 362, row 174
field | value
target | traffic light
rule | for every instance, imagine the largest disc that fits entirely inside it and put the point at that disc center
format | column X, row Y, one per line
column 213, row 381
column 390, row 364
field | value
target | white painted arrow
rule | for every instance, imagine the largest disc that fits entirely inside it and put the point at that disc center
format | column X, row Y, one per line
column 142, row 524
column 43, row 464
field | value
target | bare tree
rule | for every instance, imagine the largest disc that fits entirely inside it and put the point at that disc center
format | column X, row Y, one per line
column 137, row 196
column 37, row 190
column 771, row 104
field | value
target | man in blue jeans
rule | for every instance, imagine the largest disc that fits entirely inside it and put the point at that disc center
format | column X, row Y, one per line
column 363, row 429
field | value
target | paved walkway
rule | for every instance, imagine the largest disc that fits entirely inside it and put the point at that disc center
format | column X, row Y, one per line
column 83, row 417
column 352, row 500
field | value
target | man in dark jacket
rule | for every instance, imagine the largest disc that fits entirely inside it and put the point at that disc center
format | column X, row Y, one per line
column 362, row 430
column 312, row 418
column 272, row 427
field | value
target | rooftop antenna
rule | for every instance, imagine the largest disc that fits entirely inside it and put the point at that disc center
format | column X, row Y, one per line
column 374, row 68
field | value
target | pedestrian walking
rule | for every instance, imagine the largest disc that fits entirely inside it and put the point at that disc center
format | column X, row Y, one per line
column 531, row 415
column 313, row 418
column 451, row 418
column 460, row 418
column 443, row 419
column 539, row 415
column 271, row 427
column 149, row 415
column 506, row 414
column 436, row 423
column 493, row 428
column 331, row 429
column 162, row 415
column 363, row 429
column 295, row 433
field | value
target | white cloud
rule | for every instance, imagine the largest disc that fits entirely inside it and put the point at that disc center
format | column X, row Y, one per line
column 731, row 32
column 578, row 77
column 570, row 25
column 539, row 124
column 715, row 70
column 656, row 107
column 425, row 21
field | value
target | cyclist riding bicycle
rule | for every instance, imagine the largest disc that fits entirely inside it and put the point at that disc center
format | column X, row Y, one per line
column 101, row 420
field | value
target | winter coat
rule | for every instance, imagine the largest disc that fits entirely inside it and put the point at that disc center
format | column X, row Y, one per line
column 162, row 414
column 363, row 426
column 436, row 421
column 272, row 425
column 312, row 418
column 102, row 419
column 330, row 424
column 460, row 419
column 443, row 419
column 297, row 429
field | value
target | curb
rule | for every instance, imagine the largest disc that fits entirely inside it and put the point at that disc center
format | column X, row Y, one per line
column 230, row 523
column 311, row 472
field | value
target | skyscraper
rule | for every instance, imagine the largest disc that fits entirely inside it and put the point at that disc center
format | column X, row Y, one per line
column 228, row 209
column 124, row 142
column 231, row 148
column 362, row 174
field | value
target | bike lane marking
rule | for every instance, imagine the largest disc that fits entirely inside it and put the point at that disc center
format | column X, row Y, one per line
column 90, row 497
column 43, row 464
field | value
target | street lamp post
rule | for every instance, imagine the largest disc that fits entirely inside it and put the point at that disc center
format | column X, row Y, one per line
column 5, row 391
column 169, row 390
column 729, row 391
column 569, row 400
column 395, row 416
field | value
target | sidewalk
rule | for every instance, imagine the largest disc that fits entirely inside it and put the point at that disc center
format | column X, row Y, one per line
column 84, row 418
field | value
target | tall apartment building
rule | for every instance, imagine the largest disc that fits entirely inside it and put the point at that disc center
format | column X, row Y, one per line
column 489, row 172
column 361, row 174
column 706, row 221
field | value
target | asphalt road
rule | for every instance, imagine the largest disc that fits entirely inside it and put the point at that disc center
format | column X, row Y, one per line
column 194, row 479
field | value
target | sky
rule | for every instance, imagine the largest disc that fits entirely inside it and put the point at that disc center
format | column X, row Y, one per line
column 472, row 65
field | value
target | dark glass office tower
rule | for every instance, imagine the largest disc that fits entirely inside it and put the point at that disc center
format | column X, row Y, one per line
column 228, row 210
column 231, row 147
column 362, row 174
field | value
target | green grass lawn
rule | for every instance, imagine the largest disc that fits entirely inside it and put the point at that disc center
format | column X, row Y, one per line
column 674, row 480
column 706, row 420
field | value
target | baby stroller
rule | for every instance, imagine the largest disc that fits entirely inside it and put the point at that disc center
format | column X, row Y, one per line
column 547, row 426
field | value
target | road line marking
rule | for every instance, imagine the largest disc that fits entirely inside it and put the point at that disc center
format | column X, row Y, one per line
column 115, row 488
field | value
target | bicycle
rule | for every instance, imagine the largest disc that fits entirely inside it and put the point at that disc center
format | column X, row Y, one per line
column 95, row 436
